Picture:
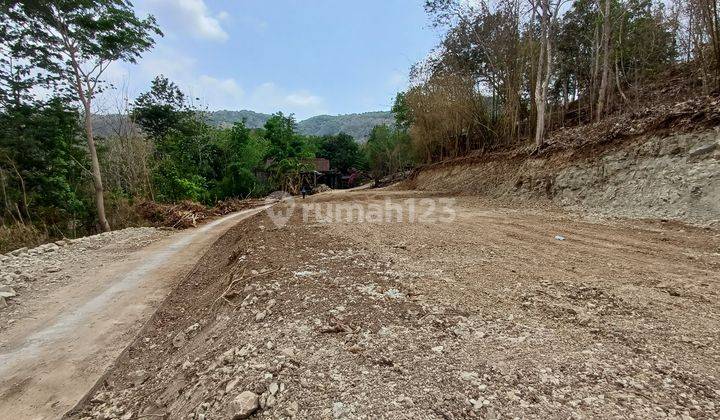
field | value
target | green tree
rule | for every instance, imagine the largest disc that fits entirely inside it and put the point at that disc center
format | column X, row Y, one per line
column 42, row 165
column 77, row 40
column 388, row 151
column 402, row 112
column 342, row 151
column 160, row 109
column 289, row 152
column 243, row 152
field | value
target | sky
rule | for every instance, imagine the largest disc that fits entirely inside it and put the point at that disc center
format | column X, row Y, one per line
column 306, row 57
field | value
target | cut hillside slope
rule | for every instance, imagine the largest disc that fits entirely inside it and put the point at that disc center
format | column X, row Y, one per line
column 662, row 163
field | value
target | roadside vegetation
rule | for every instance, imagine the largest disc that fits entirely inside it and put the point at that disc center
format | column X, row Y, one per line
column 508, row 73
column 59, row 179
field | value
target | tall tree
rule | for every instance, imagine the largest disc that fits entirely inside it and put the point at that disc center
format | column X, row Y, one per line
column 342, row 151
column 77, row 40
column 547, row 12
column 160, row 109
column 606, row 28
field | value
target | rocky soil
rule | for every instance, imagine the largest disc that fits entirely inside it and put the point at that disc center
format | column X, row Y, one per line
column 490, row 316
column 26, row 274
column 674, row 176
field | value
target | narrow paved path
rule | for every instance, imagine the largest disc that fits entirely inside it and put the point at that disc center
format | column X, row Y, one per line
column 51, row 359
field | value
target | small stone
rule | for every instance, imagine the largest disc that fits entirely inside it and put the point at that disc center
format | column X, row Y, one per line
column 270, row 401
column 7, row 292
column 18, row 252
column 179, row 340
column 292, row 409
column 231, row 385
column 242, row 406
column 3, row 302
column 273, row 388
column 52, row 269
column 339, row 410
column 139, row 377
column 288, row 352
column 260, row 316
column 701, row 150
column 438, row 349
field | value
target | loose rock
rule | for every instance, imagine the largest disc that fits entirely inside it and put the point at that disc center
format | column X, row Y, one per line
column 242, row 406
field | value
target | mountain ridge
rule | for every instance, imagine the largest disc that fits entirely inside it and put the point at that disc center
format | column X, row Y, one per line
column 358, row 125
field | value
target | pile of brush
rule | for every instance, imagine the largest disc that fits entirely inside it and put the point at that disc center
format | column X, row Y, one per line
column 180, row 215
column 186, row 214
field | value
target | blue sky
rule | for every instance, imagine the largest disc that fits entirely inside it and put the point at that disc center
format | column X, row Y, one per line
column 304, row 57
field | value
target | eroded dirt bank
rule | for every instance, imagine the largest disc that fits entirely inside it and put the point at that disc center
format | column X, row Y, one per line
column 672, row 176
column 488, row 316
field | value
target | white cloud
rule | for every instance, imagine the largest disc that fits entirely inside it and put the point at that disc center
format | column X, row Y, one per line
column 213, row 92
column 191, row 16
column 252, row 23
column 303, row 99
column 216, row 93
column 268, row 97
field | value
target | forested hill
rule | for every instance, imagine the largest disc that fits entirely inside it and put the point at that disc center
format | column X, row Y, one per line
column 357, row 125
column 225, row 118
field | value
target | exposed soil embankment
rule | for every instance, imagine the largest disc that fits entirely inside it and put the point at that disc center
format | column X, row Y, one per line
column 675, row 176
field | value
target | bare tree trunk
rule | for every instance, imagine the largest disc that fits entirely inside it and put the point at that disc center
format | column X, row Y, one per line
column 97, row 177
column 543, row 74
column 602, row 94
column 595, row 70
column 539, row 107
column 617, row 82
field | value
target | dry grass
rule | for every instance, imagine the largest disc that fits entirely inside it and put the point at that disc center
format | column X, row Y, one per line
column 17, row 236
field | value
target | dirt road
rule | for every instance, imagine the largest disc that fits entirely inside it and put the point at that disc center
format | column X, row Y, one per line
column 501, row 312
column 63, row 338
